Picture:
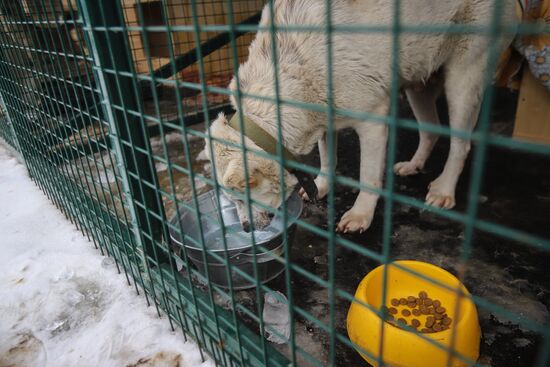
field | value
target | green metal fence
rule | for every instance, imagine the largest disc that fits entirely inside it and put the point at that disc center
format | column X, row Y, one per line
column 102, row 100
column 6, row 129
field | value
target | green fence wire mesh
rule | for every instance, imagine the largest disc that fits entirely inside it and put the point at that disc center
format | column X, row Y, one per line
column 109, row 104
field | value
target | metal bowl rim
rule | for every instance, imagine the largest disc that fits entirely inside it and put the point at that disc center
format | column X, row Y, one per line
column 277, row 235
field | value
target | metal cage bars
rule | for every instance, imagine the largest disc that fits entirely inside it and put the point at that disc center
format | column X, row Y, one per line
column 117, row 102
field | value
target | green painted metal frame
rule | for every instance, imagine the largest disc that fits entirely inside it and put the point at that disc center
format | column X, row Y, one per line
column 137, row 165
column 132, row 226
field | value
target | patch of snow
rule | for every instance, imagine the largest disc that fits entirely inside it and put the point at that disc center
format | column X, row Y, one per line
column 202, row 156
column 157, row 144
column 106, row 176
column 106, row 169
column 102, row 171
column 62, row 303
column 199, row 184
column 173, row 137
column 159, row 166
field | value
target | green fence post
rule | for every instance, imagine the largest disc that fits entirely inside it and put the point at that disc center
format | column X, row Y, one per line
column 129, row 138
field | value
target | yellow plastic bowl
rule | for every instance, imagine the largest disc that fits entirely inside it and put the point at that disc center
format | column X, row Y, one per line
column 403, row 348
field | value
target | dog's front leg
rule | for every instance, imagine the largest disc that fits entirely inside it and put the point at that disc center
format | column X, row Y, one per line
column 322, row 179
column 372, row 139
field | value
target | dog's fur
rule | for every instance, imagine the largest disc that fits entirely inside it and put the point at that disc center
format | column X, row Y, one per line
column 362, row 77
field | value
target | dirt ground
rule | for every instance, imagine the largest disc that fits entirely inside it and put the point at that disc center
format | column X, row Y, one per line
column 515, row 193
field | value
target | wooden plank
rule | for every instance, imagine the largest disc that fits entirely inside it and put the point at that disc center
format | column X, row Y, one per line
column 533, row 113
column 46, row 11
column 212, row 13
column 136, row 40
column 212, row 45
column 179, row 13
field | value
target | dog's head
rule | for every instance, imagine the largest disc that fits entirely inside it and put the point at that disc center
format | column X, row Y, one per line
column 263, row 174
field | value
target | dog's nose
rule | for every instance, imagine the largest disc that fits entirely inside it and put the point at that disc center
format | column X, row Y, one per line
column 246, row 226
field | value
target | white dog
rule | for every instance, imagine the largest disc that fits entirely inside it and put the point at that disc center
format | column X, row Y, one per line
column 362, row 77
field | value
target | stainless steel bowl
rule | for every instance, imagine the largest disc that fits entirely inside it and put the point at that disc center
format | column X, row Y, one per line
column 239, row 243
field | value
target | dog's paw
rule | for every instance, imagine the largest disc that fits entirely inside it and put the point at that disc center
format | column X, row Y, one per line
column 354, row 221
column 322, row 189
column 440, row 198
column 407, row 168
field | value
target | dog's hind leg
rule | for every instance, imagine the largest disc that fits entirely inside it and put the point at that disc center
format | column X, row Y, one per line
column 464, row 89
column 322, row 180
column 422, row 101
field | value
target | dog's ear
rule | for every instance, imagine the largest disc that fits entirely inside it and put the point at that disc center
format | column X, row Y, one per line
column 233, row 178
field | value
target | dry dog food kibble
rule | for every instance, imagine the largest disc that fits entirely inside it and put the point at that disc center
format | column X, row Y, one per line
column 430, row 321
column 436, row 318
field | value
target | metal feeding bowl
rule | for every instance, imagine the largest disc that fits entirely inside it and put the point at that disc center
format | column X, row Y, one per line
column 269, row 240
